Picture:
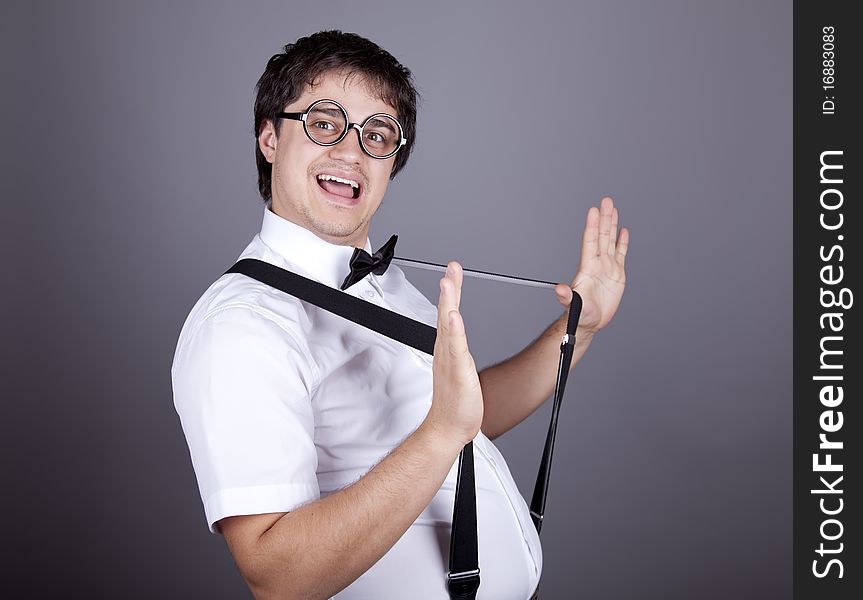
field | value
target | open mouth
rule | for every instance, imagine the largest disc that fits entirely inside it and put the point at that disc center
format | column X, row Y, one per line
column 346, row 188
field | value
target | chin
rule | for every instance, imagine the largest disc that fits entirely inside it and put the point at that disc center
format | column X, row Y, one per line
column 336, row 228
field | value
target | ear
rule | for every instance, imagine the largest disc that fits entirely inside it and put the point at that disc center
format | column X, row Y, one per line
column 267, row 141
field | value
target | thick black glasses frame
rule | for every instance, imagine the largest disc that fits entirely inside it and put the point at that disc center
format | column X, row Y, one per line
column 303, row 116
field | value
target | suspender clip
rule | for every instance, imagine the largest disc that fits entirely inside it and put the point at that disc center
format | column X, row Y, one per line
column 463, row 585
column 463, row 574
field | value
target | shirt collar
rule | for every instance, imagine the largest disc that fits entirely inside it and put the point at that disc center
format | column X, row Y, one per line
column 326, row 262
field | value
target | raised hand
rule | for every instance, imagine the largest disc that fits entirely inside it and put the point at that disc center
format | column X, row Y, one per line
column 601, row 277
column 457, row 406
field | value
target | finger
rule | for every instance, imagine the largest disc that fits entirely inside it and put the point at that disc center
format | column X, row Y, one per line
column 456, row 274
column 622, row 246
column 463, row 365
column 590, row 240
column 606, row 207
column 613, row 239
column 457, row 337
column 445, row 305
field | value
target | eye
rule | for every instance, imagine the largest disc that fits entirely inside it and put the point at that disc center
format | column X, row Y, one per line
column 381, row 133
column 376, row 137
column 323, row 125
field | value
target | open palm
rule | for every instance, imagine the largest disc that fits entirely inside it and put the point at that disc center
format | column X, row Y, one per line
column 601, row 277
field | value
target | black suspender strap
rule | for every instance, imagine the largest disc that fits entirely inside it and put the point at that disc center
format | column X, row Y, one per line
column 462, row 580
column 463, row 576
column 386, row 322
column 567, row 345
column 540, row 490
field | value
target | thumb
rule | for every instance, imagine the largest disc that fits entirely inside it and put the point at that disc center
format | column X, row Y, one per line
column 564, row 293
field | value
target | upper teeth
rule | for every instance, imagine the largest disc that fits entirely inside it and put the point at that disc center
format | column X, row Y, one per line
column 326, row 177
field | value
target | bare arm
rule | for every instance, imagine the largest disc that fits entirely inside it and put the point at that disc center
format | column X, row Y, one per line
column 320, row 548
column 516, row 387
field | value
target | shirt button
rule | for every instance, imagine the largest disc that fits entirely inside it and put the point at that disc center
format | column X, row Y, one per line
column 370, row 294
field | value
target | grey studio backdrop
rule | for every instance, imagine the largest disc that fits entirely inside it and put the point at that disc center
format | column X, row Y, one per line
column 129, row 186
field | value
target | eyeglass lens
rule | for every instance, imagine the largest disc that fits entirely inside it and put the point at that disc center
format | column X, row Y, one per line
column 326, row 123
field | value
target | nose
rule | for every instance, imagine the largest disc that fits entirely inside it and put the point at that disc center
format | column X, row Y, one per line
column 349, row 149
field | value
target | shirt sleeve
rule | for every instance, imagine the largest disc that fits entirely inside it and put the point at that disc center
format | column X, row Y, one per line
column 242, row 388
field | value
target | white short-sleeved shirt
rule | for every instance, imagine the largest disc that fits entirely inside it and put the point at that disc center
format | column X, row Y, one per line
column 283, row 402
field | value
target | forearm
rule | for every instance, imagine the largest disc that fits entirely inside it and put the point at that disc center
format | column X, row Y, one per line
column 516, row 387
column 319, row 549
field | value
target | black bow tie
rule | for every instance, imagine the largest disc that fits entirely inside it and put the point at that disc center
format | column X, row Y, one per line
column 362, row 263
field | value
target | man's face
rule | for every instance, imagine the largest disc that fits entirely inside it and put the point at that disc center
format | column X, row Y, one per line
column 300, row 192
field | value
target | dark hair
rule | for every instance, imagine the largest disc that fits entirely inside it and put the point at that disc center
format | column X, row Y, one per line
column 303, row 62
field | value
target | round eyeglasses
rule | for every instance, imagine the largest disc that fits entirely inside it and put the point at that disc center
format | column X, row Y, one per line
column 326, row 123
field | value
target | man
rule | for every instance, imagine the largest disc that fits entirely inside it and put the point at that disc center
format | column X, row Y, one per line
column 325, row 452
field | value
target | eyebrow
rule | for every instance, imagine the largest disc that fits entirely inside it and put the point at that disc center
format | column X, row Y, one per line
column 383, row 123
column 332, row 112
